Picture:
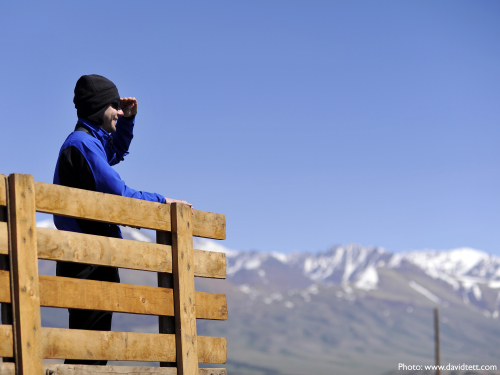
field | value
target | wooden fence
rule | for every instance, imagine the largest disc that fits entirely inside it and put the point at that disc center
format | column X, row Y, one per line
column 177, row 346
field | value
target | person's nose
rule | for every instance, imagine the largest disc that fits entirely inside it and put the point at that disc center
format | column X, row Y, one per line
column 120, row 112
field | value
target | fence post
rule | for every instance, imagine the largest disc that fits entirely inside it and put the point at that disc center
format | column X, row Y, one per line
column 25, row 289
column 166, row 324
column 436, row 338
column 184, row 302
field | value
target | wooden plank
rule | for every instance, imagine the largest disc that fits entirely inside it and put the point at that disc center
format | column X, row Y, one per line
column 210, row 306
column 65, row 201
column 135, row 299
column 105, row 251
column 59, row 369
column 209, row 225
column 4, row 238
column 24, row 274
column 3, row 191
column 184, row 296
column 123, row 346
column 101, row 345
column 6, row 341
column 64, row 292
column 209, row 264
column 214, row 350
column 86, row 248
column 106, row 296
column 5, row 287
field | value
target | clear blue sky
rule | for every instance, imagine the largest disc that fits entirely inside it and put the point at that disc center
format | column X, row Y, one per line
column 308, row 123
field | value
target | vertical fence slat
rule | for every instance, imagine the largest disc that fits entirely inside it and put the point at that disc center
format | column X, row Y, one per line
column 24, row 274
column 166, row 324
column 184, row 303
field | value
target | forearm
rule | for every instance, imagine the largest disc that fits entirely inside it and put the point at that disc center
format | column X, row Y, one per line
column 123, row 136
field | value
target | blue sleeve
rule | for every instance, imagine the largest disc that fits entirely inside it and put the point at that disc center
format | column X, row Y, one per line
column 122, row 138
column 107, row 180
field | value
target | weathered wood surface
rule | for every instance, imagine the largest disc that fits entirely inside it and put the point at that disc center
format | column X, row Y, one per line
column 4, row 238
column 65, row 201
column 71, row 293
column 25, row 290
column 122, row 346
column 215, row 349
column 184, row 295
column 209, row 225
column 3, row 191
column 6, row 307
column 117, row 346
column 59, row 369
column 5, row 287
column 6, row 341
column 100, row 345
column 209, row 264
column 211, row 306
column 105, row 251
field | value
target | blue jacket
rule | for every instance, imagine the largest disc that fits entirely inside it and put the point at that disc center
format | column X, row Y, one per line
column 85, row 161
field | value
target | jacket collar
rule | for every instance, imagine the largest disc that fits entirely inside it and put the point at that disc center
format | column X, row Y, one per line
column 95, row 130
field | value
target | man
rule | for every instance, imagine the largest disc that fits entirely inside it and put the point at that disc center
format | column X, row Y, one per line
column 101, row 139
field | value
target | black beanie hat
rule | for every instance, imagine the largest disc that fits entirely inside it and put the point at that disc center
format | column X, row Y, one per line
column 93, row 95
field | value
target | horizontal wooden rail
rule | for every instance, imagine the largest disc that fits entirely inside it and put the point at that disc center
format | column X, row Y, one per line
column 59, row 369
column 6, row 341
column 5, row 287
column 105, row 251
column 65, row 201
column 114, row 209
column 115, row 346
column 4, row 238
column 72, row 293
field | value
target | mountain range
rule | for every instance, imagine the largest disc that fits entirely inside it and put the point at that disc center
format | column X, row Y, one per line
column 348, row 310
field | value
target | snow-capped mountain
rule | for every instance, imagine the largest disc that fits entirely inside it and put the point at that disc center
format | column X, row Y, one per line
column 467, row 272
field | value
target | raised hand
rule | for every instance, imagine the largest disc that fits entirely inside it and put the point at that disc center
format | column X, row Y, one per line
column 128, row 106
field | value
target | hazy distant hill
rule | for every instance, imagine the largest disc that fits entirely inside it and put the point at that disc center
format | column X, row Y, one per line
column 349, row 310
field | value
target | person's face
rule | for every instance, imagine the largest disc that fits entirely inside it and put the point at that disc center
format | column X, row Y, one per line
column 110, row 117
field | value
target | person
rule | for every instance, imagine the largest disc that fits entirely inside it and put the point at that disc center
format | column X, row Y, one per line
column 101, row 139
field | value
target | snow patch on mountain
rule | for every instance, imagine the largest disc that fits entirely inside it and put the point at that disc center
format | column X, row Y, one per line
column 458, row 262
column 426, row 293
column 465, row 269
column 344, row 264
column 368, row 280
